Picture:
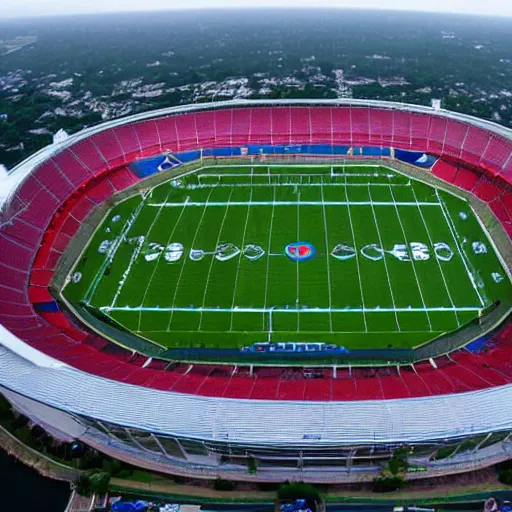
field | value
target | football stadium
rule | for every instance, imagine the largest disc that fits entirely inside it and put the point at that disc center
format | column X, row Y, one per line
column 302, row 285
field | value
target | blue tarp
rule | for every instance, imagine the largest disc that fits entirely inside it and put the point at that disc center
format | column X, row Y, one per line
column 412, row 157
column 258, row 150
column 416, row 158
column 149, row 166
column 47, row 307
column 223, row 152
column 478, row 345
column 320, row 149
column 189, row 156
column 373, row 151
column 340, row 150
column 130, row 506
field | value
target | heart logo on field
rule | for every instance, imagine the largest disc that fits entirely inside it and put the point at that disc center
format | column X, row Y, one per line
column 299, row 251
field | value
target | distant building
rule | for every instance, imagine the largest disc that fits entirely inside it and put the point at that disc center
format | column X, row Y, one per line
column 60, row 136
column 436, row 104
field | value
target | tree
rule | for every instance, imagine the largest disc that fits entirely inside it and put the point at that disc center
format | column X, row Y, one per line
column 398, row 463
column 112, row 466
column 252, row 465
column 298, row 490
column 95, row 482
column 99, row 482
column 82, row 485
column 387, row 483
column 223, row 485
column 505, row 476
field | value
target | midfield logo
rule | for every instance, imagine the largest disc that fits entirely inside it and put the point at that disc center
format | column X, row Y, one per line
column 299, row 251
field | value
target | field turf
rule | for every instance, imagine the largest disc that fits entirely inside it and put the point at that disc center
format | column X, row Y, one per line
column 373, row 291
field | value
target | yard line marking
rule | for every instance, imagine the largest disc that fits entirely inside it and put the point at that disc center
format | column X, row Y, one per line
column 357, row 259
column 185, row 260
column 240, row 260
column 369, row 163
column 107, row 309
column 243, row 185
column 297, row 301
column 112, row 251
column 157, row 262
column 213, row 260
column 384, row 259
column 412, row 259
column 291, row 203
column 136, row 251
column 309, row 333
column 438, row 262
column 459, row 248
column 285, row 175
column 126, row 273
column 268, row 253
column 327, row 256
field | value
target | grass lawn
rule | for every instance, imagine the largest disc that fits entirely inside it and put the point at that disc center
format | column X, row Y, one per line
column 201, row 261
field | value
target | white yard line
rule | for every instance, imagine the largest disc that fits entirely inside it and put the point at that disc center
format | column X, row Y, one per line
column 384, row 259
column 289, row 310
column 268, row 253
column 241, row 255
column 213, row 260
column 243, row 185
column 285, row 175
column 177, row 285
column 438, row 262
column 158, row 261
column 265, row 333
column 459, row 248
column 297, row 300
column 357, row 261
column 369, row 163
column 327, row 254
column 126, row 273
column 136, row 252
column 112, row 250
column 412, row 260
column 290, row 203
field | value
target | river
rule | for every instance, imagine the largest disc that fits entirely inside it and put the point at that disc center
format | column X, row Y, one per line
column 26, row 490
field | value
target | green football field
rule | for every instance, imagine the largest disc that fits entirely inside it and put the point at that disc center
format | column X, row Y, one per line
column 201, row 261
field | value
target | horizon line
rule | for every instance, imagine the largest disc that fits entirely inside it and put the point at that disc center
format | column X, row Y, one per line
column 295, row 8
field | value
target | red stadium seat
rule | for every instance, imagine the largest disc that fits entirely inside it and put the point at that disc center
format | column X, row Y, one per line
column 260, row 130
column 321, row 125
column 445, row 170
column 231, row 126
column 109, row 147
column 475, row 145
column 401, row 129
column 360, row 126
column 281, row 125
column 300, row 125
column 341, row 126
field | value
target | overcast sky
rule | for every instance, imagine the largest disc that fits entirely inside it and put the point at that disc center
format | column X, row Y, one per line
column 10, row 8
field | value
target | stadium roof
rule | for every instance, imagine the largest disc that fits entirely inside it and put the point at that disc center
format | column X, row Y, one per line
column 258, row 421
